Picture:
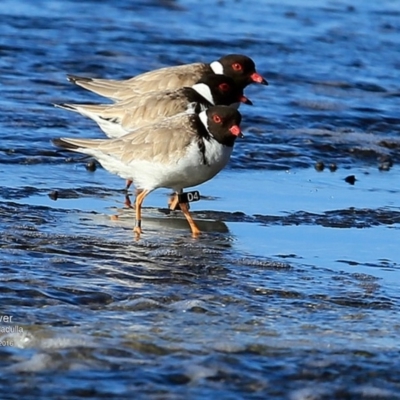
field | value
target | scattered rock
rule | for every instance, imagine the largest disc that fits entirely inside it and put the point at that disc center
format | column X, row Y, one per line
column 351, row 179
column 53, row 195
column 332, row 167
column 91, row 166
column 385, row 163
column 385, row 166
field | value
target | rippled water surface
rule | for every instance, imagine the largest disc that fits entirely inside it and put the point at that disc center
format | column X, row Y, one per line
column 292, row 291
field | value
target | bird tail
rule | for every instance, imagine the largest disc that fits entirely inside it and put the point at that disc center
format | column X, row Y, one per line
column 78, row 145
column 64, row 144
column 76, row 79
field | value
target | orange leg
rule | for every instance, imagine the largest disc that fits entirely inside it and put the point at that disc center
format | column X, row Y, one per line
column 128, row 202
column 173, row 203
column 193, row 226
column 138, row 207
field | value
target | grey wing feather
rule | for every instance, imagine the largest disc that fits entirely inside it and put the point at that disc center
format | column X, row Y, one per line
column 161, row 79
column 160, row 142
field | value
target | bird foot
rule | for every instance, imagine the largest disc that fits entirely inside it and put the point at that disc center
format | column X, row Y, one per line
column 128, row 202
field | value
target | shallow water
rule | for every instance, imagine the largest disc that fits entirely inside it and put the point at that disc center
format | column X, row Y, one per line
column 291, row 291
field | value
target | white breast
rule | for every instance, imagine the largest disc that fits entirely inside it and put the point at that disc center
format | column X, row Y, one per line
column 187, row 171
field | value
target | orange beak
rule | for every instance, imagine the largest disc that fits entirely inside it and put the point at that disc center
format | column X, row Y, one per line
column 255, row 77
column 235, row 130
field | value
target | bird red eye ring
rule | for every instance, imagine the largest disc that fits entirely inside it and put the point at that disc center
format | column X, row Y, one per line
column 237, row 66
column 224, row 87
column 217, row 119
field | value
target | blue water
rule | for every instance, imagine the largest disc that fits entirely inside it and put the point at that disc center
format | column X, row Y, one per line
column 291, row 292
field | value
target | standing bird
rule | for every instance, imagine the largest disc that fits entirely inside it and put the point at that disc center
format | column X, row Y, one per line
column 238, row 67
column 120, row 118
column 178, row 152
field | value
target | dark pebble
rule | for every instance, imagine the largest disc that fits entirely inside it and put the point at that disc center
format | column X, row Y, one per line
column 91, row 166
column 332, row 167
column 385, row 166
column 351, row 179
column 319, row 166
column 386, row 160
column 53, row 195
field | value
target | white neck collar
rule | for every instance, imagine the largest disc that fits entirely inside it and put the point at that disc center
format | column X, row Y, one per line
column 217, row 68
column 204, row 90
column 203, row 119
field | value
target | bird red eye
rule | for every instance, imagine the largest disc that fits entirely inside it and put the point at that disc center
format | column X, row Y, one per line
column 237, row 66
column 224, row 87
column 217, row 119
